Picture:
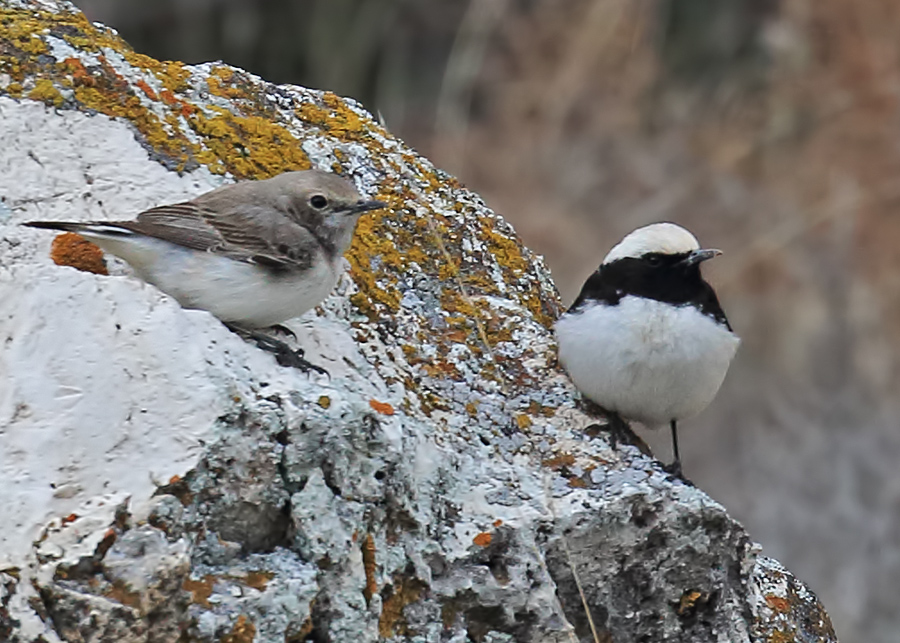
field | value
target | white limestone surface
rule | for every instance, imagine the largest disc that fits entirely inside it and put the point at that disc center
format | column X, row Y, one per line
column 106, row 384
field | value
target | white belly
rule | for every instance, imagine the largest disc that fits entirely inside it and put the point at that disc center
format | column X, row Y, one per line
column 233, row 291
column 645, row 360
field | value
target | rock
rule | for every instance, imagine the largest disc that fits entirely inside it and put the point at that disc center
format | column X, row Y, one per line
column 167, row 481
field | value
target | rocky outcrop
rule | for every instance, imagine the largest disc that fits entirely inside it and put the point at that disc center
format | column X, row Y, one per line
column 165, row 481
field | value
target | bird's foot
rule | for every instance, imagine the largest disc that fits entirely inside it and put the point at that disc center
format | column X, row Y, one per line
column 675, row 472
column 294, row 359
column 284, row 330
column 284, row 354
column 620, row 432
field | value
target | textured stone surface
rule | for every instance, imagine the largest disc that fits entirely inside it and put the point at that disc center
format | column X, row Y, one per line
column 166, row 479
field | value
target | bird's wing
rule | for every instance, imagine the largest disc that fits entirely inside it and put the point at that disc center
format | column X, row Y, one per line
column 180, row 223
column 243, row 235
column 262, row 235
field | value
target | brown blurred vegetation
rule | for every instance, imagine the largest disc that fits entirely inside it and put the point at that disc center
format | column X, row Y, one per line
column 770, row 128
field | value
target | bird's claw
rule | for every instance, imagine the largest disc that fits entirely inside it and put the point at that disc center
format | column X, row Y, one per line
column 294, row 359
column 675, row 473
column 284, row 330
column 619, row 432
column 284, row 354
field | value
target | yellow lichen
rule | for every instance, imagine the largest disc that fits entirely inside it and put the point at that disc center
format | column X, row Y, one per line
column 247, row 140
column 781, row 636
column 335, row 117
column 507, row 251
column 251, row 146
column 45, row 92
column 219, row 83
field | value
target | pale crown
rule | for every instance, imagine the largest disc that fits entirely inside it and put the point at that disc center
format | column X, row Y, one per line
column 663, row 238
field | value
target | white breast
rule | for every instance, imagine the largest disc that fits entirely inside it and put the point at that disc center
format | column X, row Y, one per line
column 233, row 291
column 646, row 360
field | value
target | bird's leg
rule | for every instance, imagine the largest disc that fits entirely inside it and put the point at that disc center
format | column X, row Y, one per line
column 284, row 354
column 674, row 469
column 619, row 431
column 677, row 458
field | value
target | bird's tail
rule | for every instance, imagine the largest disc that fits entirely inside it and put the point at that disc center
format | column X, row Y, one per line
column 99, row 229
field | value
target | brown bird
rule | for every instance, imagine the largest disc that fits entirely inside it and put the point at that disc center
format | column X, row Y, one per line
column 254, row 253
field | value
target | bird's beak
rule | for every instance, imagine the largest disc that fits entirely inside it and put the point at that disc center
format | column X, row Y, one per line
column 365, row 206
column 698, row 256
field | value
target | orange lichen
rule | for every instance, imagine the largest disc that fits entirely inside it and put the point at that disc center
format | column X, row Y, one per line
column 120, row 593
column 200, row 590
column 483, row 539
column 70, row 518
column 559, row 461
column 303, row 633
column 369, row 565
column 688, row 600
column 244, row 631
column 497, row 522
column 258, row 580
column 402, row 592
column 778, row 603
column 70, row 249
column 381, row 407
column 79, row 76
column 151, row 94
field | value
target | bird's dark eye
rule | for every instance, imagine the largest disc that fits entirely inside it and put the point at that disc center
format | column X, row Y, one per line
column 653, row 260
column 318, row 201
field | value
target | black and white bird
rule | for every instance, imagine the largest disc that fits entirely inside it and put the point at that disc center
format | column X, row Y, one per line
column 254, row 253
column 647, row 339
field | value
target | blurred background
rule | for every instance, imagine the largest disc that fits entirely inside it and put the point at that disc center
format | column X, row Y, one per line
column 770, row 128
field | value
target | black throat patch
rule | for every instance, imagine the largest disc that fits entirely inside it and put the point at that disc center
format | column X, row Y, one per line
column 655, row 276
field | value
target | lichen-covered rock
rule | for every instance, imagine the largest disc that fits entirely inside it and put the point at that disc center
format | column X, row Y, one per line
column 166, row 481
